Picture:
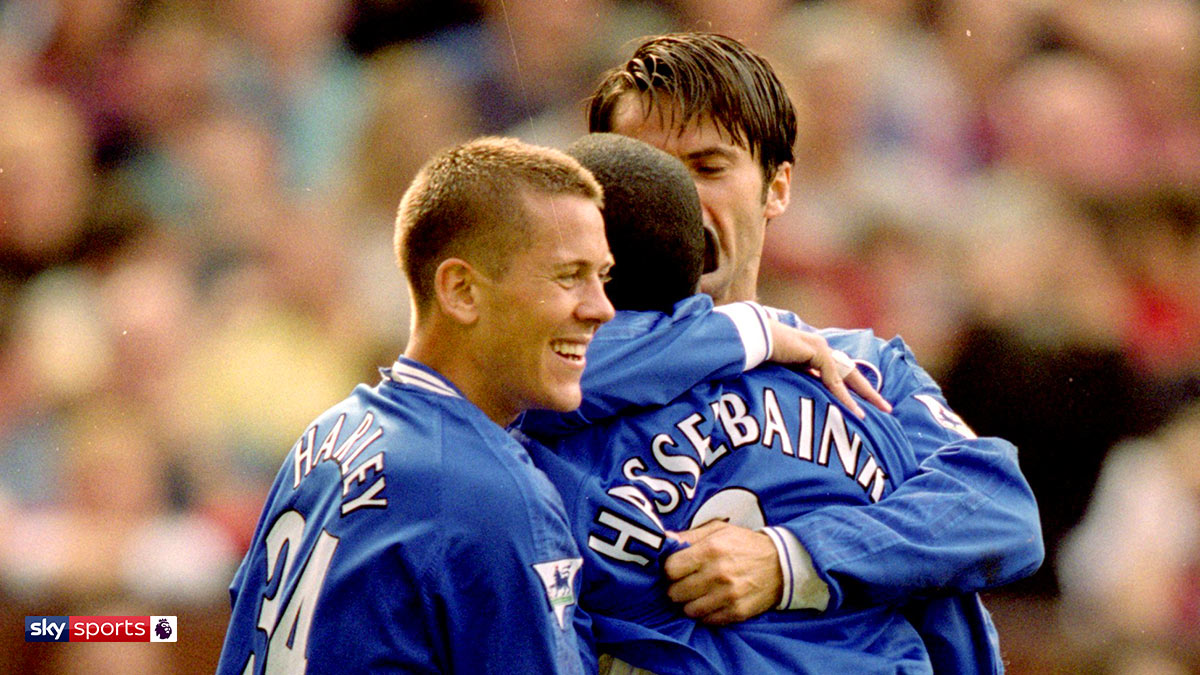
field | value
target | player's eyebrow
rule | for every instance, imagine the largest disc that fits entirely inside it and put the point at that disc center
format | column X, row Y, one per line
column 578, row 264
column 718, row 151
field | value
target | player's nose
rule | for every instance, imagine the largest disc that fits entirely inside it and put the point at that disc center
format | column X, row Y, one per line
column 594, row 306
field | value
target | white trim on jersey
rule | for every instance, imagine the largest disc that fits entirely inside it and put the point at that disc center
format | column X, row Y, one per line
column 406, row 374
column 750, row 319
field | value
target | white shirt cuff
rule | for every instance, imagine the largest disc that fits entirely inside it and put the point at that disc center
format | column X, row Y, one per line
column 802, row 588
column 751, row 321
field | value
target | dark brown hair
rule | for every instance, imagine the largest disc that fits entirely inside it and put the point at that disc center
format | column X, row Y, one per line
column 706, row 75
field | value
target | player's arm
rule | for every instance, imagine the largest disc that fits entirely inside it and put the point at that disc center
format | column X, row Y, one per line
column 505, row 588
column 965, row 521
column 586, row 640
column 499, row 622
column 644, row 359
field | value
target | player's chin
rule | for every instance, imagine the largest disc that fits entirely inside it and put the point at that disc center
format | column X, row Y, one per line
column 562, row 396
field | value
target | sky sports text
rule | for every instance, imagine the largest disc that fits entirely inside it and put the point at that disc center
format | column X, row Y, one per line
column 101, row 629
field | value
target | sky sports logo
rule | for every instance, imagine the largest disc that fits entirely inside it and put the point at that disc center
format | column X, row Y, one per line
column 101, row 629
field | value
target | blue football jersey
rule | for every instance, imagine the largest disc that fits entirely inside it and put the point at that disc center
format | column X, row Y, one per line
column 757, row 450
column 965, row 521
column 406, row 532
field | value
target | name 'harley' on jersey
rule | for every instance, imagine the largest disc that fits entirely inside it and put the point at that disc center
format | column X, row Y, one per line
column 789, row 428
column 306, row 455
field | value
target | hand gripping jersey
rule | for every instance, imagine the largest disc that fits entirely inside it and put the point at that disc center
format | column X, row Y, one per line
column 406, row 532
column 965, row 521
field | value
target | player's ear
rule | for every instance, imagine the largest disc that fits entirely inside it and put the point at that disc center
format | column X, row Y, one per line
column 779, row 190
column 456, row 289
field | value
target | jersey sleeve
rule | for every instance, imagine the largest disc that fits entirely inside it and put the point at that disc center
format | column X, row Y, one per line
column 504, row 594
column 644, row 359
column 965, row 521
column 588, row 654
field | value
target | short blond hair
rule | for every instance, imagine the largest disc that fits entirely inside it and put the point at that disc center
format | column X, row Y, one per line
column 469, row 202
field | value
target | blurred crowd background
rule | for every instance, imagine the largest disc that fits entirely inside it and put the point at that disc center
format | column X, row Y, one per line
column 196, row 209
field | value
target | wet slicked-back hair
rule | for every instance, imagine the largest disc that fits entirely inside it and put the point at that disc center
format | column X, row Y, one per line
column 652, row 219
column 469, row 202
column 706, row 74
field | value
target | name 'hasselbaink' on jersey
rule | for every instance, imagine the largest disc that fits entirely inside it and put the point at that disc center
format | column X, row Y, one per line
column 744, row 429
column 666, row 475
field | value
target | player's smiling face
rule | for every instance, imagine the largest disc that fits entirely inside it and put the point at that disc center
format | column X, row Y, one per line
column 540, row 315
column 731, row 186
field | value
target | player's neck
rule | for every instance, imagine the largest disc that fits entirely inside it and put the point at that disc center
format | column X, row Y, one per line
column 451, row 353
column 739, row 291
